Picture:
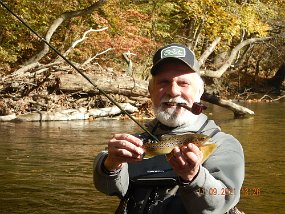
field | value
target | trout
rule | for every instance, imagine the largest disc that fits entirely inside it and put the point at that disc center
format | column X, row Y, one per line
column 168, row 142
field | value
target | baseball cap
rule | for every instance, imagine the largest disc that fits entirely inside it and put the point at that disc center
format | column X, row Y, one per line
column 175, row 51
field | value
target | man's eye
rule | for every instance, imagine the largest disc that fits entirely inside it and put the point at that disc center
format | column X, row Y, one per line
column 184, row 84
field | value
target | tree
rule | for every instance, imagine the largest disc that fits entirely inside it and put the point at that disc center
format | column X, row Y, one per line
column 243, row 37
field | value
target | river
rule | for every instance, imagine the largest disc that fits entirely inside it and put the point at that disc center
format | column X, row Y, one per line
column 47, row 167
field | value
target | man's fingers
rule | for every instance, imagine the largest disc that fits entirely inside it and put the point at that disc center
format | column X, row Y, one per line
column 192, row 154
column 185, row 156
column 130, row 138
column 190, row 157
column 125, row 148
column 123, row 152
column 178, row 157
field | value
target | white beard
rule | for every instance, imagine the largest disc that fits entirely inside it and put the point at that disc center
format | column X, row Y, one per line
column 172, row 117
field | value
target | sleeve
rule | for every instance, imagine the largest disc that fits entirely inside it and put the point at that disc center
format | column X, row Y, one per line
column 216, row 189
column 110, row 183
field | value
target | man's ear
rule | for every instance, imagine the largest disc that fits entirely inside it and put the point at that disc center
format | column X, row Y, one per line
column 200, row 88
column 201, row 91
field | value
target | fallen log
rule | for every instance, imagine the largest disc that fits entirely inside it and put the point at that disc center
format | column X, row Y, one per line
column 63, row 115
column 71, row 86
column 239, row 111
column 122, row 85
column 70, row 114
column 8, row 117
column 114, row 110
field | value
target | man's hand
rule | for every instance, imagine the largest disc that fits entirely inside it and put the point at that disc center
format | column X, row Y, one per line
column 123, row 148
column 186, row 161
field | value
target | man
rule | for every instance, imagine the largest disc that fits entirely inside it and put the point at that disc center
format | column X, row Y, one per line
column 179, row 182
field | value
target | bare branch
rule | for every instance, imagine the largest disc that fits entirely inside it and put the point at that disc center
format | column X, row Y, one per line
column 74, row 44
column 23, row 69
column 270, row 98
column 265, row 96
column 209, row 50
column 94, row 57
column 218, row 73
column 279, row 98
column 58, row 22
column 127, row 57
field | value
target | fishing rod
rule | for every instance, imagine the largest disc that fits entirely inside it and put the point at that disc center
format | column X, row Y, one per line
column 80, row 72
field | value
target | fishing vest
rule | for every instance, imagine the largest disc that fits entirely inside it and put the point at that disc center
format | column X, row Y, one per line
column 153, row 185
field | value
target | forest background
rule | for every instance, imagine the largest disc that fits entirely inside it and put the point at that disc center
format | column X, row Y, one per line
column 240, row 46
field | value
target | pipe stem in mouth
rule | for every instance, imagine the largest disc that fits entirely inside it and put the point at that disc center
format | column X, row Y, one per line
column 184, row 105
column 196, row 109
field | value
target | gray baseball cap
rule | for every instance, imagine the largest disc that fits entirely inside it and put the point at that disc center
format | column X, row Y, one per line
column 175, row 51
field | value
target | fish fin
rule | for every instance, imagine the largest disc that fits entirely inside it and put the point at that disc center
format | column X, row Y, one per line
column 207, row 150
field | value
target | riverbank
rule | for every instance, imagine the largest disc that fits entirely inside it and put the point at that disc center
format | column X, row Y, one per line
column 77, row 114
column 60, row 93
column 66, row 95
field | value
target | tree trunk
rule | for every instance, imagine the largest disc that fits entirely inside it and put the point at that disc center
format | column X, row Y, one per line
column 209, row 50
column 278, row 78
column 57, row 23
column 218, row 73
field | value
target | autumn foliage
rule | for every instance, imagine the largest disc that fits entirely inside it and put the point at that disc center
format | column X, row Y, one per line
column 140, row 26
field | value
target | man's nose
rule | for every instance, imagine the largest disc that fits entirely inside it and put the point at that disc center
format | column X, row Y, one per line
column 174, row 90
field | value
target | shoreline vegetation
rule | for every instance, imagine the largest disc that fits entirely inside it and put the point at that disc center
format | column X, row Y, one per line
column 60, row 94
column 239, row 62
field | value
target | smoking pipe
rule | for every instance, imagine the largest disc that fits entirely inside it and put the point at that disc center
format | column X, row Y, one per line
column 196, row 109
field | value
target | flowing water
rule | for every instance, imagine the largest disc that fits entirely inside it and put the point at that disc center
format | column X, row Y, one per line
column 47, row 167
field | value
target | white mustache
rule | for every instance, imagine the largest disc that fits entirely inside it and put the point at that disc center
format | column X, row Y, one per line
column 173, row 100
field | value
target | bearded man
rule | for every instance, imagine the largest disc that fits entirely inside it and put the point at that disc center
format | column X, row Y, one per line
column 179, row 182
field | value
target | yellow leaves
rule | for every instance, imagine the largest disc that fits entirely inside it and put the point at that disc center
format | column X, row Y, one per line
column 223, row 18
column 140, row 27
column 5, row 56
column 251, row 21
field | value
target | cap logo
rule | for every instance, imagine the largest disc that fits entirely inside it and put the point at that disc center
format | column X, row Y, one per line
column 173, row 51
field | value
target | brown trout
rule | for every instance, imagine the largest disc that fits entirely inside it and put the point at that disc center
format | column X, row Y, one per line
column 168, row 142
